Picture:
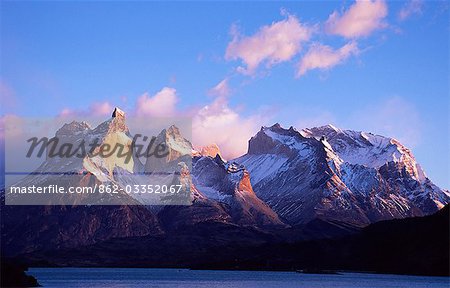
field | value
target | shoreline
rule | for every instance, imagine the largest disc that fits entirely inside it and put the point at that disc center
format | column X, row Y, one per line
column 336, row 272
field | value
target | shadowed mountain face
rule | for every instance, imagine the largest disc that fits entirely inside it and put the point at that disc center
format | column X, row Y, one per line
column 418, row 246
column 291, row 185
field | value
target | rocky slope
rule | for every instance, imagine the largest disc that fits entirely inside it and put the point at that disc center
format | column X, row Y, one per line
column 229, row 183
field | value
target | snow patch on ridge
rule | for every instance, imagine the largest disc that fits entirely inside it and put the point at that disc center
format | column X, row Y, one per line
column 262, row 166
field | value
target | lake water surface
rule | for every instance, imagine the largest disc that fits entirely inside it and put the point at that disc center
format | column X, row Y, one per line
column 145, row 277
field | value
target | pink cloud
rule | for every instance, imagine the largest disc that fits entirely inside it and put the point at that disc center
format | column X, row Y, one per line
column 360, row 20
column 101, row 108
column 413, row 7
column 220, row 124
column 66, row 112
column 11, row 126
column 222, row 89
column 7, row 96
column 95, row 109
column 272, row 44
column 215, row 122
column 162, row 104
column 324, row 57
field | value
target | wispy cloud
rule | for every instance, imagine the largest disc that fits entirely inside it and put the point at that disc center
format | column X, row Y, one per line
column 101, row 108
column 222, row 89
column 324, row 57
column 395, row 117
column 412, row 7
column 272, row 44
column 95, row 109
column 360, row 20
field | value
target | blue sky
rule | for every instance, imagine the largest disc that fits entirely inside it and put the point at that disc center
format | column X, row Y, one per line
column 389, row 77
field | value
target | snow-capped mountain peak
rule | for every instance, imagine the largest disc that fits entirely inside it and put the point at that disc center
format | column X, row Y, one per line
column 277, row 140
column 296, row 175
column 367, row 149
column 174, row 140
column 209, row 150
column 360, row 176
column 73, row 128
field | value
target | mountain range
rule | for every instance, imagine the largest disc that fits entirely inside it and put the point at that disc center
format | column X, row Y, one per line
column 291, row 185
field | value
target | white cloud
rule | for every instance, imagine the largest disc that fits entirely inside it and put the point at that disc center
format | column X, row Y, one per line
column 412, row 7
column 324, row 57
column 162, row 104
column 272, row 44
column 360, row 20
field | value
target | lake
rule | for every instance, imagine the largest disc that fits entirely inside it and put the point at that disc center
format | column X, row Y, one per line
column 147, row 277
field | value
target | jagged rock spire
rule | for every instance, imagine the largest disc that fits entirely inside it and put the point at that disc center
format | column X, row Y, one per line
column 118, row 112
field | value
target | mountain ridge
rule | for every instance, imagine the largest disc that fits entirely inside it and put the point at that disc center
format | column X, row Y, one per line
column 293, row 183
column 316, row 161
